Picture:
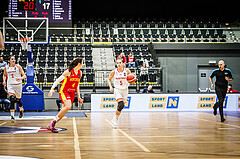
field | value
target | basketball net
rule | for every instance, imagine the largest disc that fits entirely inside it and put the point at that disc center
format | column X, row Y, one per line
column 24, row 43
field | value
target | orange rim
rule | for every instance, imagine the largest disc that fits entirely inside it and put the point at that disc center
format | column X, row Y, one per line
column 24, row 40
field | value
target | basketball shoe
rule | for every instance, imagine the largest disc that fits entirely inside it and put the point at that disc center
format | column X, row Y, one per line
column 51, row 126
column 12, row 119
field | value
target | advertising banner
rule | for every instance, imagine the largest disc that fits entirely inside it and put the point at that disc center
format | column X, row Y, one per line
column 165, row 102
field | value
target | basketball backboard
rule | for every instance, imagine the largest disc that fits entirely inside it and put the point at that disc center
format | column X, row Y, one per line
column 14, row 29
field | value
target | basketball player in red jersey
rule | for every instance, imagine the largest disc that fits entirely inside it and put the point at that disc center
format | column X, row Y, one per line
column 70, row 84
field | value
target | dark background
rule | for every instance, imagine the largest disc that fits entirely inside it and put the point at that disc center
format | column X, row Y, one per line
column 161, row 9
column 225, row 11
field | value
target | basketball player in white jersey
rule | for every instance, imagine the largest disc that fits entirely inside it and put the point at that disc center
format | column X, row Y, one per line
column 121, row 88
column 14, row 75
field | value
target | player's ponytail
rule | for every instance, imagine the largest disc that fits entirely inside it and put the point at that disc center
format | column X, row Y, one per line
column 74, row 63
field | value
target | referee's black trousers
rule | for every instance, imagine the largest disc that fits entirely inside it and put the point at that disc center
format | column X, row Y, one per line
column 221, row 94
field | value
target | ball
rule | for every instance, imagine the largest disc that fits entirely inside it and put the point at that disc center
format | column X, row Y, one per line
column 131, row 78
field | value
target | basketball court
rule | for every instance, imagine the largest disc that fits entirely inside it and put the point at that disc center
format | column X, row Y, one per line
column 140, row 135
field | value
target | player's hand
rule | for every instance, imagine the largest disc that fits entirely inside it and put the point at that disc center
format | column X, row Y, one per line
column 226, row 78
column 212, row 86
column 4, row 83
column 80, row 100
column 51, row 92
column 111, row 89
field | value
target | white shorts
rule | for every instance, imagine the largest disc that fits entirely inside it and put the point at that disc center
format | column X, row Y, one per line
column 15, row 89
column 121, row 94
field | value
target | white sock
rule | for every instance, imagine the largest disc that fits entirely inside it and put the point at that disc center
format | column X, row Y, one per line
column 56, row 118
column 12, row 114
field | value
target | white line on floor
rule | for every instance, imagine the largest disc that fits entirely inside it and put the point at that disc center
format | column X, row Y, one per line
column 76, row 142
column 130, row 138
column 3, row 123
column 220, row 123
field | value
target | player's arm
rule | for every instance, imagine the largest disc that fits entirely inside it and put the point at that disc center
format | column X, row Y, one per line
column 1, row 41
column 78, row 95
column 109, row 81
column 22, row 73
column 128, row 71
column 65, row 74
column 4, row 76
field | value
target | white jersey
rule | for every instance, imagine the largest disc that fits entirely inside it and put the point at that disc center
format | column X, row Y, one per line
column 120, row 79
column 12, row 74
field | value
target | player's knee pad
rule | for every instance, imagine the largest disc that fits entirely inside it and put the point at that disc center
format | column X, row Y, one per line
column 120, row 106
column 19, row 102
column 12, row 102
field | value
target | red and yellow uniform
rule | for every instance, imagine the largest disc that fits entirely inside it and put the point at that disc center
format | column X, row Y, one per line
column 69, row 86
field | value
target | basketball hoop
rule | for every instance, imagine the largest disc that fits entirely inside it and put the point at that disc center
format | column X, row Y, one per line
column 24, row 43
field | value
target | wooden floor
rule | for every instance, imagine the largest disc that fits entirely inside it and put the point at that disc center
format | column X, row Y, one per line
column 140, row 135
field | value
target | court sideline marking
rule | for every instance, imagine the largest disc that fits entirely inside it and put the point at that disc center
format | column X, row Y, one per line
column 130, row 138
column 76, row 142
column 211, row 121
column 3, row 123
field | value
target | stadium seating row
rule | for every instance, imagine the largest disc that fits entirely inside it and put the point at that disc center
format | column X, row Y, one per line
column 146, row 24
column 50, row 60
column 143, row 35
column 140, row 52
column 137, row 31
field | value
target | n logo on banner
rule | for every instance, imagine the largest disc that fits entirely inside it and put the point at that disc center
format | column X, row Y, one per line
column 173, row 102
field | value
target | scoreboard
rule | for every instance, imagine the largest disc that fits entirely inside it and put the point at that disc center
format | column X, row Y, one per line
column 26, row 5
column 57, row 11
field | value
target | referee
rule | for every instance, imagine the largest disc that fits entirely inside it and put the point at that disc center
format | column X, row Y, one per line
column 222, row 76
